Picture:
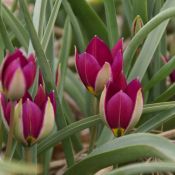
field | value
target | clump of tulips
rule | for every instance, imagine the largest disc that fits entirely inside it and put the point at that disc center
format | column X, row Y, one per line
column 33, row 118
column 101, row 69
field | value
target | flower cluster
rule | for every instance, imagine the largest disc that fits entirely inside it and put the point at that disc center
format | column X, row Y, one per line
column 33, row 118
column 101, row 69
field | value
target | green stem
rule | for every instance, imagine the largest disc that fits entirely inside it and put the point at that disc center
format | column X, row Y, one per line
column 144, row 31
column 27, row 154
column 94, row 129
column 10, row 133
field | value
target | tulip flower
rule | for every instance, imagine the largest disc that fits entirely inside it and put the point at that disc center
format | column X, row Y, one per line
column 123, row 104
column 34, row 119
column 17, row 74
column 96, row 64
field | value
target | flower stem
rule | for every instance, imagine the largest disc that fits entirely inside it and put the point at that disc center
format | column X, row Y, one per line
column 94, row 130
column 10, row 133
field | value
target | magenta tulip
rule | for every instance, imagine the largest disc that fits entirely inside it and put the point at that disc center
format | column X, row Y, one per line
column 17, row 74
column 123, row 104
column 34, row 119
column 96, row 64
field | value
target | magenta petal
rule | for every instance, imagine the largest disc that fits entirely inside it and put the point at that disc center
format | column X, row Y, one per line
column 53, row 100
column 40, row 98
column 13, row 66
column 99, row 50
column 119, row 110
column 29, row 72
column 87, row 67
column 117, row 65
column 26, row 96
column 133, row 88
column 10, row 58
column 117, row 48
column 7, row 112
column 32, row 119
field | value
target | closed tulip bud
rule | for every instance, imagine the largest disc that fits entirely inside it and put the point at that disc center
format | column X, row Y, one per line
column 137, row 24
column 17, row 74
column 34, row 119
column 123, row 104
column 95, row 65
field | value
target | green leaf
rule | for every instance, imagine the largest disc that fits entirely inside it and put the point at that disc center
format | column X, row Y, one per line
column 166, row 95
column 8, row 44
column 73, row 128
column 64, row 55
column 76, row 27
column 16, row 26
column 128, row 9
column 157, row 107
column 18, row 168
column 38, row 19
column 140, row 8
column 161, row 74
column 124, row 150
column 154, row 37
column 140, row 168
column 50, row 24
column 112, row 26
column 91, row 23
column 156, row 121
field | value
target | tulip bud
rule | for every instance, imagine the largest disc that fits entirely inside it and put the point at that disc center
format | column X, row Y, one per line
column 95, row 66
column 122, row 104
column 34, row 119
column 137, row 25
column 17, row 74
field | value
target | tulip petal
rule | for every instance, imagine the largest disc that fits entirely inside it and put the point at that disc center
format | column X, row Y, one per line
column 133, row 88
column 117, row 65
column 87, row 67
column 137, row 111
column 29, row 72
column 40, row 98
column 9, row 72
column 8, row 60
column 32, row 121
column 114, row 86
column 48, row 120
column 117, row 48
column 119, row 110
column 18, row 125
column 99, row 50
column 102, row 103
column 53, row 100
column 103, row 76
column 17, row 86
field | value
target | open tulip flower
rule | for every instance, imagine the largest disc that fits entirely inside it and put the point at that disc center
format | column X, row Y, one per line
column 17, row 74
column 123, row 104
column 95, row 65
column 34, row 119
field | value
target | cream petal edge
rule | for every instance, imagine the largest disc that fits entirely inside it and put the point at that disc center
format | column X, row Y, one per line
column 48, row 120
column 103, row 76
column 137, row 112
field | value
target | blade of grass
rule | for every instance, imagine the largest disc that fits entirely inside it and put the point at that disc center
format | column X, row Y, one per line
column 75, row 25
column 90, row 21
column 50, row 24
column 161, row 74
column 140, row 36
column 64, row 55
column 73, row 128
column 166, row 95
column 16, row 26
column 112, row 27
column 8, row 44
